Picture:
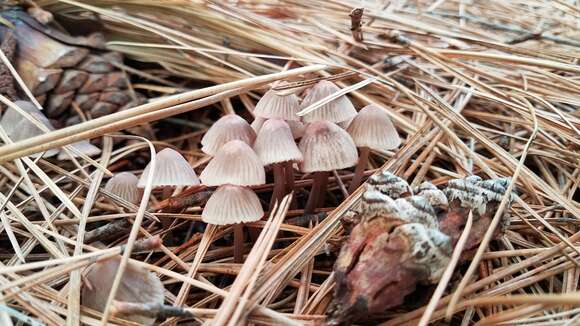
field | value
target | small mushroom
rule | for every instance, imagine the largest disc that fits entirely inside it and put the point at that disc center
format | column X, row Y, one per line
column 275, row 146
column 236, row 164
column 83, row 147
column 137, row 285
column 371, row 129
column 338, row 110
column 171, row 170
column 124, row 185
column 296, row 127
column 325, row 147
column 227, row 128
column 231, row 204
column 273, row 105
column 17, row 127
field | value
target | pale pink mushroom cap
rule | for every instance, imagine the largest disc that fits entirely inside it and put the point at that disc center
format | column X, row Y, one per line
column 18, row 128
column 228, row 127
column 235, row 163
column 296, row 127
column 326, row 147
column 137, row 285
column 11, row 117
column 124, row 185
column 257, row 124
column 373, row 128
column 232, row 204
column 83, row 146
column 341, row 109
column 272, row 105
column 171, row 169
column 275, row 143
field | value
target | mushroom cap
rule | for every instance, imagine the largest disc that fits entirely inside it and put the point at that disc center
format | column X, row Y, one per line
column 338, row 110
column 171, row 169
column 272, row 105
column 373, row 128
column 228, row 127
column 231, row 204
column 84, row 147
column 18, row 128
column 296, row 127
column 257, row 124
column 275, row 143
column 11, row 117
column 235, row 163
column 137, row 285
column 124, row 185
column 326, row 147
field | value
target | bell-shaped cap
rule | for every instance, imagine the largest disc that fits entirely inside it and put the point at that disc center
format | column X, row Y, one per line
column 338, row 110
column 373, row 128
column 273, row 105
column 18, row 127
column 232, row 204
column 235, row 163
column 124, row 185
column 326, row 147
column 257, row 124
column 137, row 285
column 171, row 169
column 84, row 147
column 228, row 127
column 275, row 143
column 11, row 117
column 296, row 127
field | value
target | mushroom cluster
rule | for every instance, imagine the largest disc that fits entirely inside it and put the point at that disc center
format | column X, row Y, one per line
column 324, row 144
column 279, row 140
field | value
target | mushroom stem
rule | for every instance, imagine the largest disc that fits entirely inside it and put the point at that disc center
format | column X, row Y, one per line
column 238, row 243
column 316, row 197
column 289, row 172
column 363, row 160
column 279, row 187
column 165, row 194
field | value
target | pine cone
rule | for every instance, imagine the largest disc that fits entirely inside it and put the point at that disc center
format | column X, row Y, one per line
column 60, row 70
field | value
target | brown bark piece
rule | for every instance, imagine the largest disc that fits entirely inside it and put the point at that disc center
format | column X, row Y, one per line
column 8, row 46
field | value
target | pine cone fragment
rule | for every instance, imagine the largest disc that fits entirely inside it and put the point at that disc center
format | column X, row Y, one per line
column 482, row 197
column 396, row 246
column 399, row 240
